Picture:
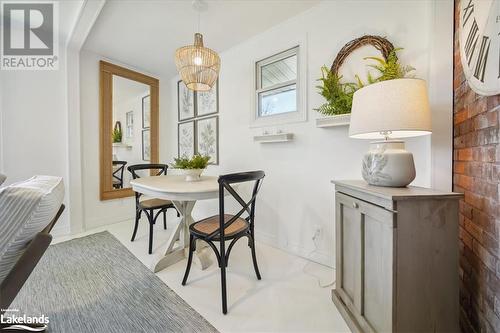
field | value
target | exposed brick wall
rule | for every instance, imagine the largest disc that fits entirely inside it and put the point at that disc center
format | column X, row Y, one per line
column 476, row 173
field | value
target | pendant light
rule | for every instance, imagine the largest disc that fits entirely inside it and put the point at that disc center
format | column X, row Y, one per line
column 197, row 65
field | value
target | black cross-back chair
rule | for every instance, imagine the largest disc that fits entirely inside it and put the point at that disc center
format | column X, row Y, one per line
column 150, row 205
column 118, row 174
column 223, row 227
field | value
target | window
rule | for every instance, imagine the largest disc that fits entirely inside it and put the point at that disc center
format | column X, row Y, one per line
column 276, row 84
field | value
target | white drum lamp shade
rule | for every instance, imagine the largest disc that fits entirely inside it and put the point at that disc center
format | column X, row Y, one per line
column 394, row 108
column 390, row 109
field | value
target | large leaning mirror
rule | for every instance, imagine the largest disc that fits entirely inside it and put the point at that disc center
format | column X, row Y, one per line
column 128, row 126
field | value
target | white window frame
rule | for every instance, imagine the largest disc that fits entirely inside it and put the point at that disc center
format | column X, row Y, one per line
column 298, row 48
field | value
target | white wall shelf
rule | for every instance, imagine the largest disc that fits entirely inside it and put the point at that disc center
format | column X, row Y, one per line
column 121, row 145
column 270, row 138
column 334, row 121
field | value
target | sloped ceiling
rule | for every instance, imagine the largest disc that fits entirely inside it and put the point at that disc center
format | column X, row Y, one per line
column 145, row 34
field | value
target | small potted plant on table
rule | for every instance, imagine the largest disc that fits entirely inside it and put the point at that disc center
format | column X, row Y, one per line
column 192, row 167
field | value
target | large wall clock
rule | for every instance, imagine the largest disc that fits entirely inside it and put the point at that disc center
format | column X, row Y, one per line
column 479, row 34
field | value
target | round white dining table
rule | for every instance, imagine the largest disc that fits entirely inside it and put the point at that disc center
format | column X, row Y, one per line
column 183, row 195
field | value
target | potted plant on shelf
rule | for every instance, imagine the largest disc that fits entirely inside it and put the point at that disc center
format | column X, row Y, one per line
column 192, row 167
column 117, row 133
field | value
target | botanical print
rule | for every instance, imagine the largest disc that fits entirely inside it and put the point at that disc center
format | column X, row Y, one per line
column 130, row 124
column 373, row 165
column 146, row 145
column 207, row 138
column 206, row 101
column 186, row 139
column 186, row 101
column 146, row 111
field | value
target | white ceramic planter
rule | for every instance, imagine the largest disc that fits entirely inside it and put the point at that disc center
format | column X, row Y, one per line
column 191, row 175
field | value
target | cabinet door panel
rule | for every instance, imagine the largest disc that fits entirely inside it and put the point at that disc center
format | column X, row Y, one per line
column 365, row 262
column 378, row 274
column 348, row 238
column 351, row 249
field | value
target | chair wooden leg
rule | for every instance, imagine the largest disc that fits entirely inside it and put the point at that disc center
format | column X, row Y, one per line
column 223, row 265
column 190, row 259
column 137, row 218
column 165, row 219
column 254, row 257
column 151, row 223
column 223, row 284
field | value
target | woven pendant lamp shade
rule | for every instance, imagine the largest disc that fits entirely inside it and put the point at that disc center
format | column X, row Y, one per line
column 197, row 65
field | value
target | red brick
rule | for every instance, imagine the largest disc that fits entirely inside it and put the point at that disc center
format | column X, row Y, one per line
column 483, row 187
column 459, row 167
column 491, row 207
column 484, row 221
column 460, row 116
column 474, row 200
column 465, row 209
column 484, row 255
column 473, row 229
column 466, row 237
column 485, row 120
column 463, row 181
column 478, row 107
column 491, row 244
column 485, row 154
column 464, row 154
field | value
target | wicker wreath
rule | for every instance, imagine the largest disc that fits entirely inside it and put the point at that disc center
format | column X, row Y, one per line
column 380, row 43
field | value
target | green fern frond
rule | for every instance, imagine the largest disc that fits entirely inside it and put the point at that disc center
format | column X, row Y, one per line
column 339, row 95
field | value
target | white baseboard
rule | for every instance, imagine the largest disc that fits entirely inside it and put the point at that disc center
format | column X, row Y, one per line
column 318, row 256
column 62, row 230
column 100, row 222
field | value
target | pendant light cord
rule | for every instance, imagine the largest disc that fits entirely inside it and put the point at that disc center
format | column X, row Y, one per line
column 199, row 19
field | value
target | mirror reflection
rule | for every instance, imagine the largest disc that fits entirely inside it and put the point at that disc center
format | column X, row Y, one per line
column 131, row 128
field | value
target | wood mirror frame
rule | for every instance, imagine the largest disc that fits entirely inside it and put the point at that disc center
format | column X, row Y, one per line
column 106, row 71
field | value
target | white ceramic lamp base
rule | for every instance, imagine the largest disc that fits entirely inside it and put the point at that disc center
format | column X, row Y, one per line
column 388, row 163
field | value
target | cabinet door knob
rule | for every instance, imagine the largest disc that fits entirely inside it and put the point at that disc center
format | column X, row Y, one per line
column 355, row 205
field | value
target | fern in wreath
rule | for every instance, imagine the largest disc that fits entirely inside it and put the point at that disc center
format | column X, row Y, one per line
column 338, row 95
column 389, row 69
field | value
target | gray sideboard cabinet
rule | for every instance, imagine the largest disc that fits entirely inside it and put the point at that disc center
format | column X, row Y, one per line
column 396, row 258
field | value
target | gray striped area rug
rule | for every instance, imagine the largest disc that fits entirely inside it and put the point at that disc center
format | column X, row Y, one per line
column 94, row 284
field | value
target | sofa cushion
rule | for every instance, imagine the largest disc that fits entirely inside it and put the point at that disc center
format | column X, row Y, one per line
column 26, row 208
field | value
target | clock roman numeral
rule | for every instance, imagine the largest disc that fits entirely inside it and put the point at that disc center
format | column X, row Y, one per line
column 467, row 12
column 482, row 59
column 470, row 43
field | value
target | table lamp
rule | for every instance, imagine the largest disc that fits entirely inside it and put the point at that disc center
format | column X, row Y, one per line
column 385, row 110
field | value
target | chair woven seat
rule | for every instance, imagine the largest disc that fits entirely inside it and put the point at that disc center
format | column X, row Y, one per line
column 211, row 224
column 154, row 203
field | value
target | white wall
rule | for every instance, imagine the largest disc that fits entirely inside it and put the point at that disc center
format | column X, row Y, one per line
column 297, row 195
column 34, row 126
column 95, row 212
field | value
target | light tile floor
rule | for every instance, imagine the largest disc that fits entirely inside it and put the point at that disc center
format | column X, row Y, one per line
column 287, row 299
